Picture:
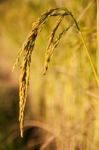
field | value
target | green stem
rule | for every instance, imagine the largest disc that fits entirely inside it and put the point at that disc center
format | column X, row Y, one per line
column 89, row 58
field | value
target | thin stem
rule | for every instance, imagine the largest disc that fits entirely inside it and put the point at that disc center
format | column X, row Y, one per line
column 89, row 58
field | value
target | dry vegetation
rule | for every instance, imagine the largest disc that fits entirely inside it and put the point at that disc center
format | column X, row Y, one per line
column 62, row 110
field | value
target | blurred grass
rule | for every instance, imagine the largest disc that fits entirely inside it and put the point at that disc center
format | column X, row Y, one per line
column 64, row 98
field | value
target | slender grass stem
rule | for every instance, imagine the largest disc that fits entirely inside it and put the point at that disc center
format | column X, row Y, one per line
column 89, row 58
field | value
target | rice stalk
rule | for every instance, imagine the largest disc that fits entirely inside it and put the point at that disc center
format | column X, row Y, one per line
column 50, row 47
column 90, row 60
column 24, row 77
column 27, row 49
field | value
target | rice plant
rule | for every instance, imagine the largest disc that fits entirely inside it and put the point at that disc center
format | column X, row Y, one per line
column 25, row 52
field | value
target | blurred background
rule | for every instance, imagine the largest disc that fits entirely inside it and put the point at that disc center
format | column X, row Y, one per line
column 62, row 110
